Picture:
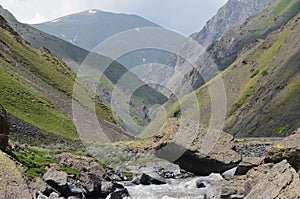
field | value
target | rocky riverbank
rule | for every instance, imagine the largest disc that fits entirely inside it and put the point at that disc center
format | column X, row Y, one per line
column 232, row 168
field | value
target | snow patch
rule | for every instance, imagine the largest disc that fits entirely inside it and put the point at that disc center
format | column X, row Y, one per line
column 137, row 29
column 56, row 20
column 92, row 11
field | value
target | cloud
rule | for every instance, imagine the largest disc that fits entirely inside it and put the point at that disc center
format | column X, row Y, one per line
column 185, row 16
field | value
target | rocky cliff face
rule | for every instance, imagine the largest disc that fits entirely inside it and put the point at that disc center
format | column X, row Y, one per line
column 233, row 13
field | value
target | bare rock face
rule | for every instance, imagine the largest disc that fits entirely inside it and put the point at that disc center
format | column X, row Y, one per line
column 196, row 148
column 4, row 128
column 12, row 183
column 288, row 148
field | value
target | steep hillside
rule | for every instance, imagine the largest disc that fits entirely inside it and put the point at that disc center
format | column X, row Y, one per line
column 262, row 85
column 34, row 83
column 223, row 53
column 73, row 56
column 233, row 13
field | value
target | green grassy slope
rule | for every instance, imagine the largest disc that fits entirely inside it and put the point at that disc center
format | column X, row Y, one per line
column 37, row 87
column 262, row 85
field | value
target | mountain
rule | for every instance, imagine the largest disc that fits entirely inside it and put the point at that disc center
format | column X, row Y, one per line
column 222, row 53
column 262, row 81
column 89, row 28
column 233, row 13
column 36, row 90
column 74, row 56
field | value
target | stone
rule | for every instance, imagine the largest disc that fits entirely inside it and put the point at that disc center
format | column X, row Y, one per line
column 4, row 129
column 12, row 185
column 247, row 164
column 264, row 181
column 288, row 148
column 58, row 180
column 119, row 194
column 196, row 148
column 146, row 179
column 282, row 181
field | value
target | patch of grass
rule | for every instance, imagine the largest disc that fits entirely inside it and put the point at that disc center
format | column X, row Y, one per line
column 282, row 5
column 32, row 107
column 35, row 161
column 264, row 73
column 280, row 131
column 268, row 56
column 254, row 73
column 247, row 93
column 70, row 171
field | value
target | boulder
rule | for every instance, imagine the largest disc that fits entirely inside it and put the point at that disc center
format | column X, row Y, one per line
column 247, row 164
column 282, row 181
column 147, row 179
column 195, row 148
column 4, row 129
column 119, row 194
column 265, row 181
column 288, row 148
column 58, row 180
column 12, row 183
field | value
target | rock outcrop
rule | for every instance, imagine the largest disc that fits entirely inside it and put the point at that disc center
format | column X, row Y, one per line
column 4, row 129
column 287, row 149
column 12, row 182
column 196, row 148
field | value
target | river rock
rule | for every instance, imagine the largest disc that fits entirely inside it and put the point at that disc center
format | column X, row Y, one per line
column 119, row 194
column 58, row 180
column 12, row 183
column 246, row 164
column 147, row 179
column 196, row 148
column 4, row 129
column 288, row 148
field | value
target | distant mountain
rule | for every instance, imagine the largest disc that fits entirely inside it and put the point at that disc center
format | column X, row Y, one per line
column 89, row 28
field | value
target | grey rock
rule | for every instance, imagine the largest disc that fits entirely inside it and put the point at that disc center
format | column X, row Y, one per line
column 203, row 182
column 282, row 181
column 288, row 148
column 247, row 164
column 196, row 149
column 146, row 179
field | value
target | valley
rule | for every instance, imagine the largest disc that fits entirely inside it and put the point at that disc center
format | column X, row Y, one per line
column 215, row 115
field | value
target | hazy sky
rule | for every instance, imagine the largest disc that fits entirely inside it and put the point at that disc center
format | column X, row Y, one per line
column 184, row 16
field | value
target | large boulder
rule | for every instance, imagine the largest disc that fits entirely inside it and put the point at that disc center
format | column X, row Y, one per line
column 265, row 181
column 4, row 129
column 282, row 181
column 12, row 183
column 196, row 148
column 286, row 149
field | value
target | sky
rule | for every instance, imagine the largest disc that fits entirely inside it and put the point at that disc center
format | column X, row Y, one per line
column 183, row 16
